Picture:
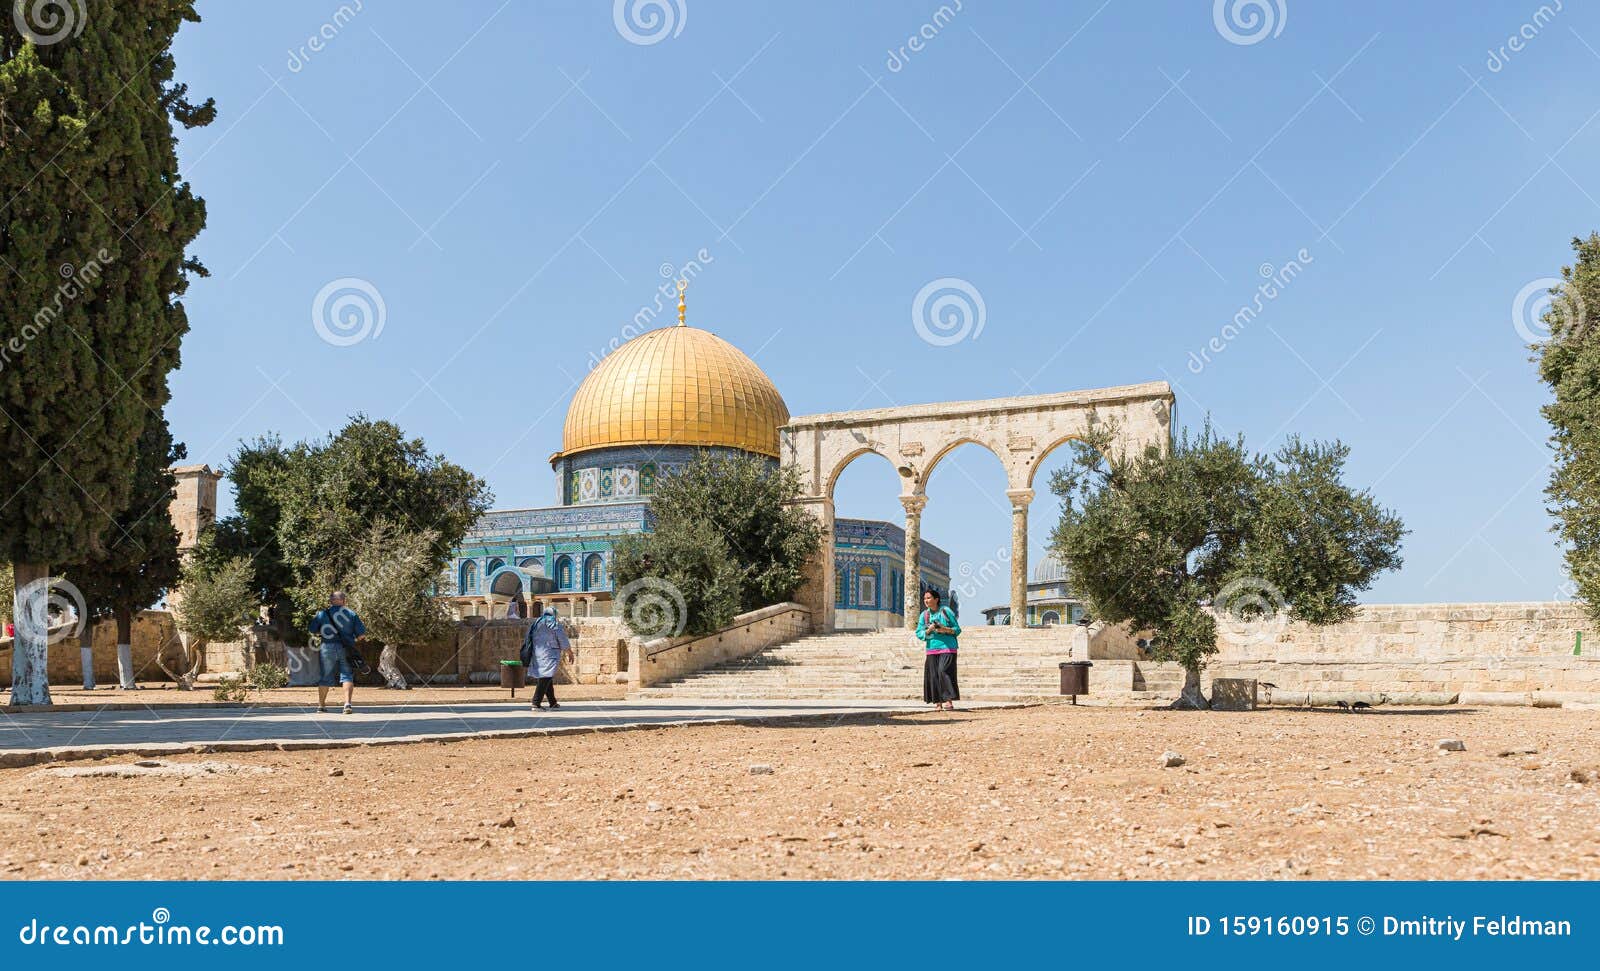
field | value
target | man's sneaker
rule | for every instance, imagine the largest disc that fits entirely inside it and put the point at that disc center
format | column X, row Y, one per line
column 349, row 710
column 322, row 709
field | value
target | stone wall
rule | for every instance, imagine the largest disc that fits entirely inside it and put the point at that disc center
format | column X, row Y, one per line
column 152, row 630
column 653, row 662
column 1512, row 653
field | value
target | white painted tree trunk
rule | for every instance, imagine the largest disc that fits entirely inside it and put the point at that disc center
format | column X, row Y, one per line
column 30, row 657
column 389, row 667
column 87, row 653
column 125, row 667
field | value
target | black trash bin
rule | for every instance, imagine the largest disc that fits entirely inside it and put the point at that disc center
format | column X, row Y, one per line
column 1075, row 678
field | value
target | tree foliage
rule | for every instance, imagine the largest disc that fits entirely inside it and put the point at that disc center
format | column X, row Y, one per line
column 1154, row 539
column 213, row 604
column 724, row 537
column 305, row 513
column 140, row 562
column 679, row 579
column 1569, row 362
column 95, row 221
column 389, row 586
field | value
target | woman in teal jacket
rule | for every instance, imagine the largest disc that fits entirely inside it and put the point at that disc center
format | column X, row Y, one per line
column 937, row 629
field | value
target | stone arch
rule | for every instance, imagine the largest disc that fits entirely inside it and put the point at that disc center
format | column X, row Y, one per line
column 1044, row 453
column 848, row 460
column 508, row 581
column 915, row 438
column 926, row 472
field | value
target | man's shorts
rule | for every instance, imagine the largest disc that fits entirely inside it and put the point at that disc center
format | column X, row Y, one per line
column 335, row 666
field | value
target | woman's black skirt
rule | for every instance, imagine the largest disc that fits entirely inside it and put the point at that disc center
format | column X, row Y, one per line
column 939, row 679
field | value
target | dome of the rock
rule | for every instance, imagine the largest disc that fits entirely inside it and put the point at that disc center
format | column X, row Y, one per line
column 675, row 386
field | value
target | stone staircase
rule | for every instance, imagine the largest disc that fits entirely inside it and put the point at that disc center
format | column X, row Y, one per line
column 997, row 664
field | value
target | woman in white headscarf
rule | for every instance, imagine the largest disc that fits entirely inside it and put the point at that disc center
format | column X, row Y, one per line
column 542, row 650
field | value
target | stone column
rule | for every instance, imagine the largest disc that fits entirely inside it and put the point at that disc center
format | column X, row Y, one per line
column 913, row 566
column 817, row 593
column 1020, row 498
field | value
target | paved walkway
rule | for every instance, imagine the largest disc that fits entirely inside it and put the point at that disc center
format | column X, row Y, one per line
column 41, row 736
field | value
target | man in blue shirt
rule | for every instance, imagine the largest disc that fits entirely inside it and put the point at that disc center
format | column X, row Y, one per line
column 339, row 627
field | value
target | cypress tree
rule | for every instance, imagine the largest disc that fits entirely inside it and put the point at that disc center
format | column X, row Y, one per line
column 140, row 562
column 94, row 223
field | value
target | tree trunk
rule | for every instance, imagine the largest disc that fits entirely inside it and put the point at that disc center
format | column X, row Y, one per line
column 389, row 668
column 192, row 656
column 30, row 658
column 1192, row 699
column 86, row 654
column 125, row 675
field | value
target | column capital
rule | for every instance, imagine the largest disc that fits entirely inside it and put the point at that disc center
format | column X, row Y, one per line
column 914, row 504
column 1020, row 498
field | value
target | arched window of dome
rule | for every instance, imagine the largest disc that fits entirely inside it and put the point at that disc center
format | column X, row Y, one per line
column 593, row 572
column 1050, row 618
column 534, row 565
column 867, row 586
column 564, row 573
column 838, row 588
column 493, row 565
column 469, row 576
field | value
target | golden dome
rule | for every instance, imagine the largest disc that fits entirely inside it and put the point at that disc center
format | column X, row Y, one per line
column 676, row 386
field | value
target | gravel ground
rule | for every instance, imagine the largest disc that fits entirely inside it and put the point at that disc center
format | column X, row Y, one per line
column 1051, row 792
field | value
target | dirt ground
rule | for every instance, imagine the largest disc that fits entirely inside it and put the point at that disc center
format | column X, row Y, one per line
column 1052, row 792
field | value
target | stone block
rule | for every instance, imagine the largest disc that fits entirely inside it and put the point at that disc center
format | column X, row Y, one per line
column 1233, row 694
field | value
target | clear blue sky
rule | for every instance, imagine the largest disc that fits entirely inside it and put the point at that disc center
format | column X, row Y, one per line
column 512, row 177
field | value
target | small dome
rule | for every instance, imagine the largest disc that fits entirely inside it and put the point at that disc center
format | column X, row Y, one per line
column 1050, row 570
column 676, row 386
